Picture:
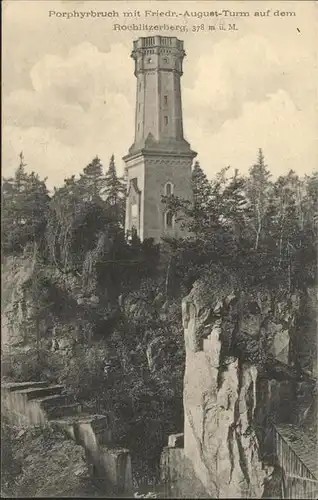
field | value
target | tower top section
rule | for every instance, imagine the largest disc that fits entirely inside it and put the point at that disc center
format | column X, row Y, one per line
column 158, row 117
column 167, row 52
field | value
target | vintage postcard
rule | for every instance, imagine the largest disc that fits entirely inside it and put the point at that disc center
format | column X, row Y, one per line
column 159, row 249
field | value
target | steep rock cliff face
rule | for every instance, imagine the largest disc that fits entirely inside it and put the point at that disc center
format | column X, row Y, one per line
column 219, row 401
column 238, row 361
column 35, row 298
column 15, row 273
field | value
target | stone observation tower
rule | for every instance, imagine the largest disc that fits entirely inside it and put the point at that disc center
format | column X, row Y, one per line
column 159, row 161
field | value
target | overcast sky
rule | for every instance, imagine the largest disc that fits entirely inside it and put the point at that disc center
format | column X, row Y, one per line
column 69, row 87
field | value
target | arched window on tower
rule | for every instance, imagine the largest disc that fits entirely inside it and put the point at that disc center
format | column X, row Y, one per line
column 169, row 188
column 169, row 219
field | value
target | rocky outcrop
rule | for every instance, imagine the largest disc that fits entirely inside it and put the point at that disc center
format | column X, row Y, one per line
column 237, row 368
column 219, row 403
column 15, row 308
column 304, row 338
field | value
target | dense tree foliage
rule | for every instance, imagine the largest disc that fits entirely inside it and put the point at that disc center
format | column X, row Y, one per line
column 262, row 230
column 77, row 240
column 114, row 192
column 116, row 304
column 24, row 209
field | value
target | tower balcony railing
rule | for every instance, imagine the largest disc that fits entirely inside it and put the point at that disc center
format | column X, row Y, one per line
column 158, row 41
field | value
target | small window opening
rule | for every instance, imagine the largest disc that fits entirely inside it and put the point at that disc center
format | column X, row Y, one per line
column 166, row 120
column 169, row 189
column 169, row 219
column 165, row 99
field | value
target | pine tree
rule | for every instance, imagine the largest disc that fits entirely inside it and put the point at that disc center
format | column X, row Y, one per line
column 201, row 193
column 67, row 201
column 232, row 204
column 284, row 220
column 115, row 193
column 258, row 188
column 25, row 202
column 201, row 188
column 304, row 243
column 92, row 181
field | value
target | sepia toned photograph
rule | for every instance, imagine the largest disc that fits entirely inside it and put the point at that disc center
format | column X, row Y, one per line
column 159, row 249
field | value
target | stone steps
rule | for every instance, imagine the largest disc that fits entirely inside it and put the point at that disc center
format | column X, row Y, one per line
column 68, row 410
column 40, row 392
column 35, row 403
column 55, row 400
column 23, row 400
column 18, row 386
column 116, row 462
column 89, row 431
